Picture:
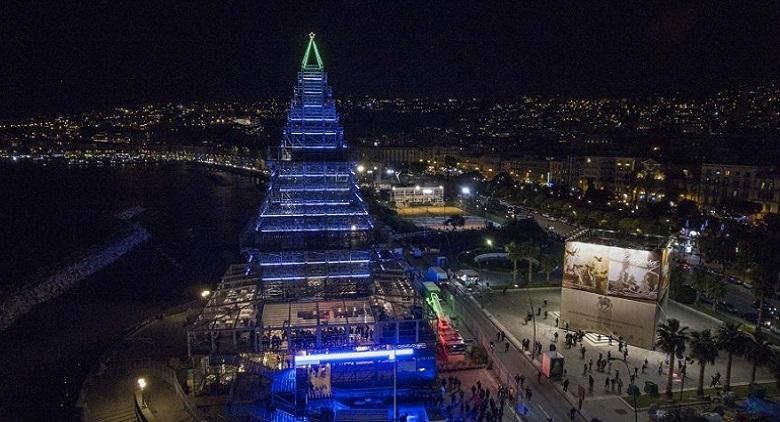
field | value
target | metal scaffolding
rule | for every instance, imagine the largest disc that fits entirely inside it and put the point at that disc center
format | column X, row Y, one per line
column 312, row 235
column 312, row 282
column 228, row 321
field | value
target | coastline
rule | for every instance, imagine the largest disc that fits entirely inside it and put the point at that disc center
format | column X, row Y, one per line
column 21, row 300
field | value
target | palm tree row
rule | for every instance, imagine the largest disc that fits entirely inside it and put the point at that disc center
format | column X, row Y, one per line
column 705, row 347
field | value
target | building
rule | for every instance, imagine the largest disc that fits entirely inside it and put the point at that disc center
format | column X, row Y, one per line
column 733, row 185
column 410, row 196
column 314, row 314
column 530, row 170
column 633, row 180
column 615, row 286
column 767, row 191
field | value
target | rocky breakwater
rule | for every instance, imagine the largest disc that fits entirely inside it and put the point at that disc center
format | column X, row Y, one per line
column 20, row 300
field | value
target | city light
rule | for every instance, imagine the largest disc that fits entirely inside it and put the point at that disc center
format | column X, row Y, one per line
column 489, row 242
column 361, row 168
column 141, row 383
column 465, row 190
column 205, row 293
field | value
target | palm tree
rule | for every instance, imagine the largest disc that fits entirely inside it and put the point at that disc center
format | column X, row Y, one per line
column 704, row 348
column 699, row 281
column 734, row 341
column 529, row 252
column 759, row 352
column 763, row 287
column 671, row 339
column 548, row 263
column 716, row 291
column 513, row 254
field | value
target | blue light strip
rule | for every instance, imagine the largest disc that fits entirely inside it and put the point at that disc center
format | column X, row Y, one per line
column 277, row 264
column 316, row 229
column 303, row 360
column 330, row 214
column 314, row 189
column 334, row 174
column 314, row 276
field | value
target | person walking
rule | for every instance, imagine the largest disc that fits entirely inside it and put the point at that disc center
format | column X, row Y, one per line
column 606, row 384
column 573, row 413
column 591, row 381
column 566, row 384
column 527, row 393
column 507, row 347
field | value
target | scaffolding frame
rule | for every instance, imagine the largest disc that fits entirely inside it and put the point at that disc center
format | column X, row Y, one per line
column 228, row 321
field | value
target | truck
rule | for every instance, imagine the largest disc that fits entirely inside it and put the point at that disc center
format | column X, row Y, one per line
column 436, row 274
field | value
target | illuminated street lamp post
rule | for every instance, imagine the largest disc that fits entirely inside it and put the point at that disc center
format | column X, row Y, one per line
column 205, row 294
column 142, row 385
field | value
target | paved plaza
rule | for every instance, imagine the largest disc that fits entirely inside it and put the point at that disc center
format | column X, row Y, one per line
column 509, row 310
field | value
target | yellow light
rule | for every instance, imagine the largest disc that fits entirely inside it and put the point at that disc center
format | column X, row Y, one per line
column 141, row 383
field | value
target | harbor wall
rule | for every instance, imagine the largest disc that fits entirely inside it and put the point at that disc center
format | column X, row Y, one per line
column 18, row 301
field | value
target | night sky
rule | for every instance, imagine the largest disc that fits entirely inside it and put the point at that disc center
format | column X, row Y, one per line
column 68, row 58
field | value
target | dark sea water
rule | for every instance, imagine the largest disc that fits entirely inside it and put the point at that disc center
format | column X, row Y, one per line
column 49, row 213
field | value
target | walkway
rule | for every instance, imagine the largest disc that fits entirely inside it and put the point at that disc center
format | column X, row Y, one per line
column 109, row 391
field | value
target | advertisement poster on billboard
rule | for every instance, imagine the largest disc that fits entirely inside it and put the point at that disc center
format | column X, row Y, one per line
column 586, row 267
column 614, row 271
column 634, row 273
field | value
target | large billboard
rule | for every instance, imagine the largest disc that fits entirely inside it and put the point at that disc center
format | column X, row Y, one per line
column 615, row 271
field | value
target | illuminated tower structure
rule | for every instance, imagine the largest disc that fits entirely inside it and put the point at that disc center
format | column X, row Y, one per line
column 315, row 311
column 312, row 235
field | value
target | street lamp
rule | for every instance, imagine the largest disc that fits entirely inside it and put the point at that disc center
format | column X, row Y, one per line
column 489, row 242
column 204, row 294
column 631, row 385
column 142, row 385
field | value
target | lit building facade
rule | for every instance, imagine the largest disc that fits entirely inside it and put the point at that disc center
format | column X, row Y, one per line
column 410, row 196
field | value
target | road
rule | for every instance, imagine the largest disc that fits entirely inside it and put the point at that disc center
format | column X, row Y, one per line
column 546, row 401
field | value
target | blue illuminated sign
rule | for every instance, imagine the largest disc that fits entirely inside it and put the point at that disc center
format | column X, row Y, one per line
column 303, row 360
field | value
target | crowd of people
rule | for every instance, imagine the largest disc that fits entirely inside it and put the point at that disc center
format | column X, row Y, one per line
column 476, row 403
